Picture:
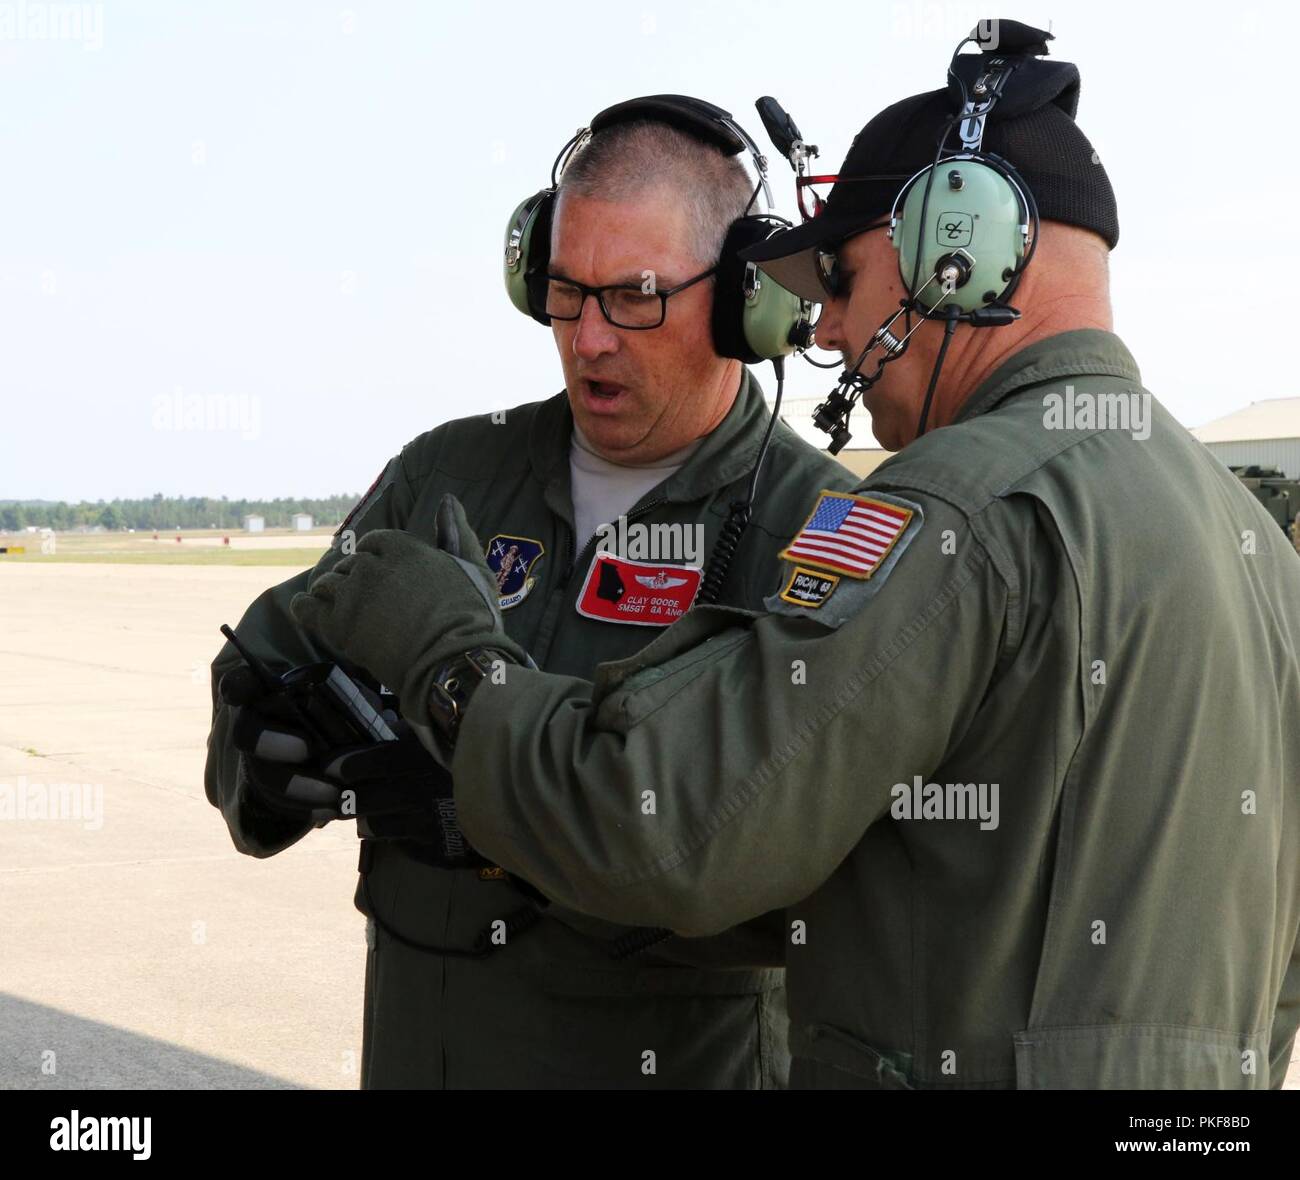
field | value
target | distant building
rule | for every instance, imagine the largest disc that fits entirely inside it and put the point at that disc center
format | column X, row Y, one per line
column 254, row 524
column 302, row 522
column 1266, row 433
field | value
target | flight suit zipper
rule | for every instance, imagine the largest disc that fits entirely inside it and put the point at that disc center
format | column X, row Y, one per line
column 560, row 595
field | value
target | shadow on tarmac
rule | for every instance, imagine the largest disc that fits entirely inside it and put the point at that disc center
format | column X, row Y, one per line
column 93, row 1056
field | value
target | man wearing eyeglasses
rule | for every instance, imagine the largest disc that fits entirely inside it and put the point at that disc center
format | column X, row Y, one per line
column 471, row 980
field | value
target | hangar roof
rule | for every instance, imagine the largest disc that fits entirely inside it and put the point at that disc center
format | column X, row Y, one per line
column 1276, row 417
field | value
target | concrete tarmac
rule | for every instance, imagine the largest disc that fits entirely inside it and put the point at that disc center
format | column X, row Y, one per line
column 137, row 948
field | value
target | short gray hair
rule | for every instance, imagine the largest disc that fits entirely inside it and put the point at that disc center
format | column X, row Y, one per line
column 622, row 162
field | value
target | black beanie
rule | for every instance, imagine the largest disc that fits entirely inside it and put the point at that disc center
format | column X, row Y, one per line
column 1043, row 143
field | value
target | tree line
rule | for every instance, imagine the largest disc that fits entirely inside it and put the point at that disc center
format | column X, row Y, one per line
column 167, row 512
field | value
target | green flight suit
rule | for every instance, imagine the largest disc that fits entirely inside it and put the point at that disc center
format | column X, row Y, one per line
column 1104, row 625
column 553, row 1007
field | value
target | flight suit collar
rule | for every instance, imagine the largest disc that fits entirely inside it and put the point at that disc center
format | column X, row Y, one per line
column 1068, row 354
column 723, row 457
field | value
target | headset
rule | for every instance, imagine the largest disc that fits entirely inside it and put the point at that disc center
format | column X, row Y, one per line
column 976, row 244
column 754, row 317
column 965, row 228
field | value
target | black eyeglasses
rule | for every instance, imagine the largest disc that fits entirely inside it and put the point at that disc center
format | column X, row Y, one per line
column 625, row 305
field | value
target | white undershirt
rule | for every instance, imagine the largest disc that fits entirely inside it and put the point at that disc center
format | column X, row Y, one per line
column 604, row 491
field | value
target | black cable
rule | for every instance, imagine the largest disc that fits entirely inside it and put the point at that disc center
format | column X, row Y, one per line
column 778, row 364
column 1031, row 216
column 920, row 232
column 556, row 169
column 724, row 548
column 949, row 328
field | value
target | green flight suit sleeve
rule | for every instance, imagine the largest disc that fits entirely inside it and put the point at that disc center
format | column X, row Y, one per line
column 270, row 632
column 728, row 768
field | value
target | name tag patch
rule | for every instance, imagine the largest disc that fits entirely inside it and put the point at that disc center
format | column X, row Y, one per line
column 639, row 592
column 809, row 587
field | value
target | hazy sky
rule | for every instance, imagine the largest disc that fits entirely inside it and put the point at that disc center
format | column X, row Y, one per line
column 295, row 210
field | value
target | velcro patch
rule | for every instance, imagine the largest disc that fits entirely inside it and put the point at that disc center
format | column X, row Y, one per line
column 511, row 560
column 809, row 587
column 801, row 592
column 618, row 590
column 846, row 534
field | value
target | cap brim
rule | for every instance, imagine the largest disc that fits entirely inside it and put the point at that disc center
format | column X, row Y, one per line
column 790, row 256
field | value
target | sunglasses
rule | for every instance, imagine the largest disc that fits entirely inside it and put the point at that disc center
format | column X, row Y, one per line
column 828, row 260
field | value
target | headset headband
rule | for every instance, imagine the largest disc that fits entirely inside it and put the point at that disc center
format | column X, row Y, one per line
column 982, row 99
column 699, row 119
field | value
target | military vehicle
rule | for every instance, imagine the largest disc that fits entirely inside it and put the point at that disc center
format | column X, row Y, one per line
column 1281, row 496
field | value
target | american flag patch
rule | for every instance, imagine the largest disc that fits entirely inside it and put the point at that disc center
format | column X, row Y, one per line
column 848, row 535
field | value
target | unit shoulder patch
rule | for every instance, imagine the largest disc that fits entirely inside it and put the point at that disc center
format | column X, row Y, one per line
column 808, row 587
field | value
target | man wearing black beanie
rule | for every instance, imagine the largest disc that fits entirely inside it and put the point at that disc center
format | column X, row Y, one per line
column 1017, row 742
column 1032, row 128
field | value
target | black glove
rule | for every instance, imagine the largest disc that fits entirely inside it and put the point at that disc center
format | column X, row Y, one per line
column 274, row 750
column 396, row 787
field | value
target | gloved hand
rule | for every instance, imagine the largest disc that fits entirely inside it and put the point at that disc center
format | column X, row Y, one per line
column 401, row 608
column 396, row 787
column 273, row 750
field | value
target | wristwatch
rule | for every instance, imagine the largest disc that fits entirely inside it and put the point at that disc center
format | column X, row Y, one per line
column 455, row 683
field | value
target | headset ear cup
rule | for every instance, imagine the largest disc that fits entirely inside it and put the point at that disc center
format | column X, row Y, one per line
column 978, row 216
column 528, row 254
column 539, row 258
column 752, row 320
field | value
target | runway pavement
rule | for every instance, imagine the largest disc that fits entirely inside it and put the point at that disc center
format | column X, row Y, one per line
column 137, row 948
